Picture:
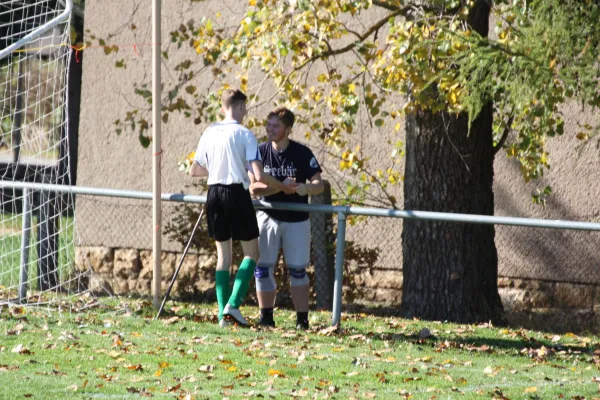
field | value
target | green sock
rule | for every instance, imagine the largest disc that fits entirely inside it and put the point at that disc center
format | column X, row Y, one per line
column 242, row 279
column 223, row 289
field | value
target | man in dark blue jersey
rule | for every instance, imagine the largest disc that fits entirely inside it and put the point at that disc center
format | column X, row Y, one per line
column 291, row 163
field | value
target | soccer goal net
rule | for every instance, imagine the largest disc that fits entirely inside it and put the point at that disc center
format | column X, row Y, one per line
column 36, row 226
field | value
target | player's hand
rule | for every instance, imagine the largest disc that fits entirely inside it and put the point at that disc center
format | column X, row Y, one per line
column 290, row 181
column 287, row 189
column 301, row 189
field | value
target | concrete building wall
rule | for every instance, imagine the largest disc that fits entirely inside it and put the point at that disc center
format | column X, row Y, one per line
column 112, row 161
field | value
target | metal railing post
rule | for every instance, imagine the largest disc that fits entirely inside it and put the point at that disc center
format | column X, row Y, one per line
column 339, row 268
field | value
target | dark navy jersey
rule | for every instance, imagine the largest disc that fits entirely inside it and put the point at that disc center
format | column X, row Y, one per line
column 296, row 161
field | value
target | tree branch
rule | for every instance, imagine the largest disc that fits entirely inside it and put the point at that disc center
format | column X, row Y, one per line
column 395, row 7
column 361, row 38
column 504, row 135
column 385, row 4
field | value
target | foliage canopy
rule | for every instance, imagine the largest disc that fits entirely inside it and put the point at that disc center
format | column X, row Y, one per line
column 329, row 69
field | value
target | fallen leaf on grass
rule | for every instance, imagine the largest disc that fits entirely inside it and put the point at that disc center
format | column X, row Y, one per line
column 483, row 348
column 114, row 354
column 170, row 389
column 492, row 371
column 170, row 321
column 277, row 373
column 142, row 392
column 330, row 330
column 15, row 331
column 530, row 389
column 16, row 311
column 20, row 349
column 357, row 337
column 137, row 367
column 381, row 377
column 299, row 393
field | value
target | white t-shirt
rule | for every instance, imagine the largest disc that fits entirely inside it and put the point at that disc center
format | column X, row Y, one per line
column 225, row 149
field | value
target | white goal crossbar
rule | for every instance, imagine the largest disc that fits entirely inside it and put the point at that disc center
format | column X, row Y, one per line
column 64, row 16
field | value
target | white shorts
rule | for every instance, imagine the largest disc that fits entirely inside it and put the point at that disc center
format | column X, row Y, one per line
column 293, row 237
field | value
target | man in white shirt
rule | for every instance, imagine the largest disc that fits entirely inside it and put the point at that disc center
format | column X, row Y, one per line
column 223, row 152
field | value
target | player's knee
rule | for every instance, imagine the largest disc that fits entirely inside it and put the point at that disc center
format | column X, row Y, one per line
column 298, row 276
column 265, row 281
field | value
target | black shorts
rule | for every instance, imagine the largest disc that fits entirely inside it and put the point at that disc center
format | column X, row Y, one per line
column 230, row 213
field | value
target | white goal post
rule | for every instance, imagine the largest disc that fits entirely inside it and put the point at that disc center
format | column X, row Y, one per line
column 37, row 236
column 38, row 31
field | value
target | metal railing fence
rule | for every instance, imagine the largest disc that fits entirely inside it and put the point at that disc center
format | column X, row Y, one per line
column 342, row 213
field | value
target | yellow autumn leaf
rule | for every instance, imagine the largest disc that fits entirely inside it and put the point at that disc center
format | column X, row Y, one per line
column 530, row 389
column 233, row 368
column 158, row 373
column 163, row 364
column 114, row 354
column 276, row 372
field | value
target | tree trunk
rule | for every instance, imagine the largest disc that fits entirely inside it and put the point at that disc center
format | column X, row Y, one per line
column 450, row 269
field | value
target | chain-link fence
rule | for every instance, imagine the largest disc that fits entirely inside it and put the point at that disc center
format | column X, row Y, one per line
column 548, row 278
column 111, row 231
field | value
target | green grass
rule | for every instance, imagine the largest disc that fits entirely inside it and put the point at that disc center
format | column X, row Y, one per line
column 10, row 249
column 120, row 352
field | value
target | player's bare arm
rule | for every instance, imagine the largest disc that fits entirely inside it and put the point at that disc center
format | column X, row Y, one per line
column 260, row 176
column 258, row 189
column 197, row 170
column 315, row 186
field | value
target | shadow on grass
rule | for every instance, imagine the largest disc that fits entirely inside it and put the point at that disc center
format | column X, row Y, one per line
column 550, row 320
